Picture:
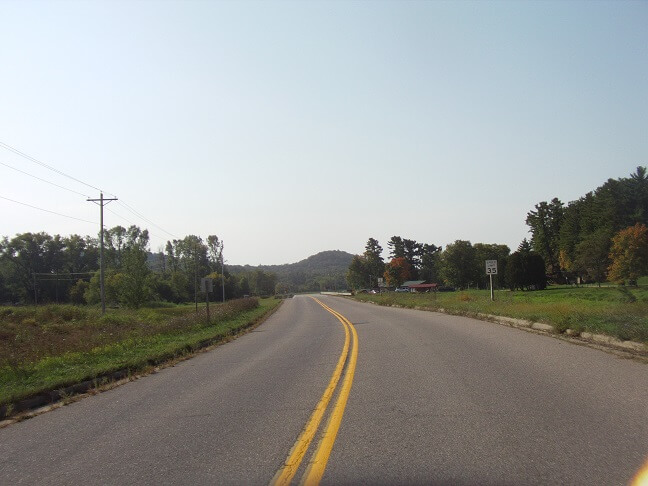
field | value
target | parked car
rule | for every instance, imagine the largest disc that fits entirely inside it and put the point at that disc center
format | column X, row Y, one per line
column 401, row 289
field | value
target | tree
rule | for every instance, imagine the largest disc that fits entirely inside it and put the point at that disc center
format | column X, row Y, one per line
column 114, row 242
column 638, row 192
column 78, row 291
column 358, row 275
column 430, row 263
column 592, row 258
column 263, row 283
column 81, row 254
column 397, row 271
column 171, row 259
column 396, row 247
column 459, row 265
column 244, row 286
column 189, row 257
column 412, row 253
column 629, row 255
column 544, row 224
column 375, row 264
column 135, row 289
column 26, row 255
column 214, row 252
column 525, row 269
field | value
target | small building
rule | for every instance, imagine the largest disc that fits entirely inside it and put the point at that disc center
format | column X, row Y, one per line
column 419, row 286
column 424, row 287
column 409, row 283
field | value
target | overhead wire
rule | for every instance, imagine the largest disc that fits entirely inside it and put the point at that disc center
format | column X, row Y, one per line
column 132, row 210
column 43, row 164
column 47, row 210
column 131, row 222
column 44, row 180
column 36, row 161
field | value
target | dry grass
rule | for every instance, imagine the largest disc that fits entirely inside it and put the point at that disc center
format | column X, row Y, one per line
column 77, row 344
column 29, row 334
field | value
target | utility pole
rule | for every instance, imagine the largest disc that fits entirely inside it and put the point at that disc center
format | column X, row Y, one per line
column 196, row 275
column 102, row 202
column 223, row 271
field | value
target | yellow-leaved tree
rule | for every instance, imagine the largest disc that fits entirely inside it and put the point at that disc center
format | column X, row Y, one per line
column 629, row 255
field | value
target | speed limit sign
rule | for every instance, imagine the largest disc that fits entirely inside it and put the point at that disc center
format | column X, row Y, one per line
column 491, row 267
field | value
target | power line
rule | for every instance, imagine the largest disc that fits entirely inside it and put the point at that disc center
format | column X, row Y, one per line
column 131, row 222
column 120, row 216
column 36, row 161
column 43, row 164
column 46, row 210
column 129, row 208
column 43, row 180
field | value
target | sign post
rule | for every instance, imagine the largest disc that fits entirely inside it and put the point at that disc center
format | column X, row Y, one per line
column 491, row 269
column 207, row 285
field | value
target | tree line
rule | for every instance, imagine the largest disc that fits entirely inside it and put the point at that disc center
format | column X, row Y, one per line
column 601, row 236
column 460, row 265
column 38, row 267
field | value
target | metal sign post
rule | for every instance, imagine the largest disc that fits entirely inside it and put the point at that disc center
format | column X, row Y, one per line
column 491, row 269
column 207, row 285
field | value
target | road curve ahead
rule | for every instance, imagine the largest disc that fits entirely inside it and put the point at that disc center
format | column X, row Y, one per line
column 435, row 399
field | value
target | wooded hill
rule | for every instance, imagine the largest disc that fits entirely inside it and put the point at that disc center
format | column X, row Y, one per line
column 324, row 271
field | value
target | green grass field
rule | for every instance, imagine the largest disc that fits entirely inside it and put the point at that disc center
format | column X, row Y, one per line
column 51, row 347
column 621, row 312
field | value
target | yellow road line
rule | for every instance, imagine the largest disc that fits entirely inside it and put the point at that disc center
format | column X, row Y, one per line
column 317, row 465
column 285, row 474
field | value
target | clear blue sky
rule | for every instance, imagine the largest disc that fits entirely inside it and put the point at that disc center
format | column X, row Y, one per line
column 289, row 128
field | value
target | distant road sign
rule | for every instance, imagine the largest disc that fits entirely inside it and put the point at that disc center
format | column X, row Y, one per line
column 207, row 284
column 491, row 267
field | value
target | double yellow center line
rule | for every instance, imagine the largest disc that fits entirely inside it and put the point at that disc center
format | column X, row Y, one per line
column 315, row 469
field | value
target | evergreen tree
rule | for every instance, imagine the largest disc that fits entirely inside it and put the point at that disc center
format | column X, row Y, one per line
column 545, row 223
column 358, row 275
column 375, row 264
column 396, row 247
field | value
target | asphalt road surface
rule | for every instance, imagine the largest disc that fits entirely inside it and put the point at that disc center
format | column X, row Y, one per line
column 435, row 399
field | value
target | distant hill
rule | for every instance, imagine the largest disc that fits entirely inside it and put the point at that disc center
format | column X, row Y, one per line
column 324, row 271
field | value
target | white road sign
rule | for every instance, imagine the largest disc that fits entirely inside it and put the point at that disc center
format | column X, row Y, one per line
column 207, row 284
column 491, row 267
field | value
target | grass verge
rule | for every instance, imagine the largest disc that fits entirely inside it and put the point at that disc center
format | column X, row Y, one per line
column 621, row 312
column 138, row 347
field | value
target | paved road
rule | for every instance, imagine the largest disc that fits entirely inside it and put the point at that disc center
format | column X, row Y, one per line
column 440, row 399
column 435, row 400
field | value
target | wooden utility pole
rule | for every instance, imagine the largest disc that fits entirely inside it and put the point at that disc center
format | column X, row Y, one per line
column 223, row 271
column 102, row 202
column 196, row 275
